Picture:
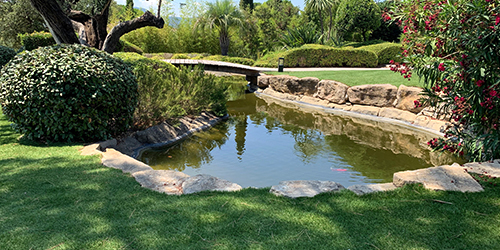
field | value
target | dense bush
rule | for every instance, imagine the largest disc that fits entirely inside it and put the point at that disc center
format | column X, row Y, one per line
column 298, row 36
column 240, row 60
column 36, row 40
column 385, row 51
column 166, row 92
column 313, row 55
column 124, row 46
column 6, row 54
column 454, row 47
column 68, row 93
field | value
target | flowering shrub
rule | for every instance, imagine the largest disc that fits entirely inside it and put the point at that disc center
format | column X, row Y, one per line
column 454, row 46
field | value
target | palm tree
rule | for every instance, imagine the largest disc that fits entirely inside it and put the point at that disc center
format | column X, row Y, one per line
column 221, row 15
column 320, row 5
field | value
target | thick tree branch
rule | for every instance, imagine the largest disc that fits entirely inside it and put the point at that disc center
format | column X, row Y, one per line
column 123, row 28
column 60, row 25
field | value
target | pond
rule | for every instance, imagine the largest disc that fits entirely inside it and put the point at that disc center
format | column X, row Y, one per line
column 266, row 141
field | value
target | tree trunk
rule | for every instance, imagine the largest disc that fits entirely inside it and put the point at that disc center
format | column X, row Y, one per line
column 122, row 28
column 92, row 30
column 224, row 43
column 60, row 25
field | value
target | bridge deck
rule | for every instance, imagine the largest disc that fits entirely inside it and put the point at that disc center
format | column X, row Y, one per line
column 219, row 66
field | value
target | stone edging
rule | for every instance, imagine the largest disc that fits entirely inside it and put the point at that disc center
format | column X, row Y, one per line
column 454, row 177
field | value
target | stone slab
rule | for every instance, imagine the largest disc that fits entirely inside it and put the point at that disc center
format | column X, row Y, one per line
column 486, row 168
column 92, row 149
column 114, row 159
column 448, row 178
column 433, row 124
column 380, row 95
column 398, row 114
column 163, row 181
column 203, row 182
column 367, row 110
column 295, row 189
column 371, row 188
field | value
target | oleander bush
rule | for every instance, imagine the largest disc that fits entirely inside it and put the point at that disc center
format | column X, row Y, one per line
column 166, row 92
column 314, row 55
column 6, row 54
column 68, row 93
column 35, row 40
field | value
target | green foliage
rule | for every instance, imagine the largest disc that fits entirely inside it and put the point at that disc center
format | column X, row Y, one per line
column 246, row 4
column 388, row 30
column 166, row 92
column 6, row 54
column 181, row 56
column 454, row 47
column 239, row 60
column 313, row 55
column 385, row 51
column 358, row 16
column 298, row 36
column 18, row 17
column 36, row 39
column 68, row 93
column 124, row 46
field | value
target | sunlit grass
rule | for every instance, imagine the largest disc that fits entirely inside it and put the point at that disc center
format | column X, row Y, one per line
column 53, row 198
column 357, row 77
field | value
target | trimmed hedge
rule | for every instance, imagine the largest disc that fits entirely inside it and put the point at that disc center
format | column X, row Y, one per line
column 384, row 51
column 124, row 46
column 180, row 56
column 314, row 55
column 239, row 60
column 68, row 93
column 6, row 54
column 35, row 40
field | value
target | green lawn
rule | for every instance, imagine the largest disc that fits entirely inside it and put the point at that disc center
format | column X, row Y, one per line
column 53, row 198
column 357, row 77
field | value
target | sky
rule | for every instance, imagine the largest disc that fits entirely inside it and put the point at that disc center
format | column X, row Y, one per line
column 176, row 3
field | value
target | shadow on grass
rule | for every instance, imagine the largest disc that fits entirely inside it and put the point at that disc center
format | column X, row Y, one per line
column 74, row 203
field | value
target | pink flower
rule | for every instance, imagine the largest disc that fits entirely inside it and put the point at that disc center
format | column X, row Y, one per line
column 391, row 61
column 441, row 67
column 493, row 93
column 480, row 83
column 497, row 20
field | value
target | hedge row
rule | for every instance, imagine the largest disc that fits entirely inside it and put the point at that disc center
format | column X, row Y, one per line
column 313, row 55
column 385, row 51
column 36, row 40
column 239, row 60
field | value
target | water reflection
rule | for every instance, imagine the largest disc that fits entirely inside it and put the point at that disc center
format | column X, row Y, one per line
column 266, row 141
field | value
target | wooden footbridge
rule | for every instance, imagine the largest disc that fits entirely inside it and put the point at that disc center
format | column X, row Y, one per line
column 251, row 73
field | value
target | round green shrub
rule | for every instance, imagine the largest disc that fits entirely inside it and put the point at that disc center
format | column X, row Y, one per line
column 68, row 93
column 6, row 54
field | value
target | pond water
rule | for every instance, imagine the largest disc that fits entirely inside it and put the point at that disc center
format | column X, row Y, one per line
column 266, row 141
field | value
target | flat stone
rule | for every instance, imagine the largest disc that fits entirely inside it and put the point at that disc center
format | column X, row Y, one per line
column 371, row 188
column 367, row 110
column 332, row 91
column 398, row 114
column 486, row 168
column 448, row 178
column 92, row 149
column 108, row 144
column 294, row 189
column 314, row 101
column 163, row 181
column 380, row 95
column 203, row 182
column 406, row 97
column 114, row 159
column 428, row 122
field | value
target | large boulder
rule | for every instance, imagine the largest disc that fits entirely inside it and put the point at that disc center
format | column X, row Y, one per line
column 406, row 97
column 294, row 189
column 380, row 95
column 163, row 181
column 263, row 81
column 294, row 85
column 332, row 91
column 203, row 182
column 487, row 168
column 448, row 178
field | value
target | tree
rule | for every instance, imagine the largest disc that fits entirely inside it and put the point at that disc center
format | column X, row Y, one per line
column 246, row 5
column 358, row 15
column 92, row 29
column 320, row 6
column 221, row 15
column 18, row 17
